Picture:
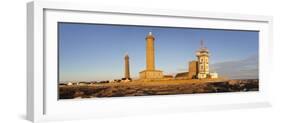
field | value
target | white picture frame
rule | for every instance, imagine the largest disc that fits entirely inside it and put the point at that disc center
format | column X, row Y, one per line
column 42, row 103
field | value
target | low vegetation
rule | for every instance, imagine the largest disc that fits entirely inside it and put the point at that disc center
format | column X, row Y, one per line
column 154, row 88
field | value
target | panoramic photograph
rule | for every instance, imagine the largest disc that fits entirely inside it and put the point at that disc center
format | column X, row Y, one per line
column 105, row 60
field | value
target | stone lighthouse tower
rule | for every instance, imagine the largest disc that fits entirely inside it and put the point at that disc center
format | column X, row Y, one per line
column 127, row 67
column 150, row 73
column 203, row 61
column 150, row 62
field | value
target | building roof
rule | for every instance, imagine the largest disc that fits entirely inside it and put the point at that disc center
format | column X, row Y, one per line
column 168, row 76
column 184, row 74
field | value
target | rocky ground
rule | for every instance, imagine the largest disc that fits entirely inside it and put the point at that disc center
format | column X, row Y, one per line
column 155, row 88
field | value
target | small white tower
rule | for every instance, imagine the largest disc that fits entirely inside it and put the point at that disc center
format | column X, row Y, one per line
column 203, row 61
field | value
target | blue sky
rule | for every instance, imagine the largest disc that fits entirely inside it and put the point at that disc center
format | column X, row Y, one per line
column 92, row 52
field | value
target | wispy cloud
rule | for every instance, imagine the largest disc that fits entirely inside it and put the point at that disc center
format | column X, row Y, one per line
column 240, row 69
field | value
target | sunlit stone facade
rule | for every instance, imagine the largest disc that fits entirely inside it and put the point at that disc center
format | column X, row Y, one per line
column 150, row 72
column 203, row 62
